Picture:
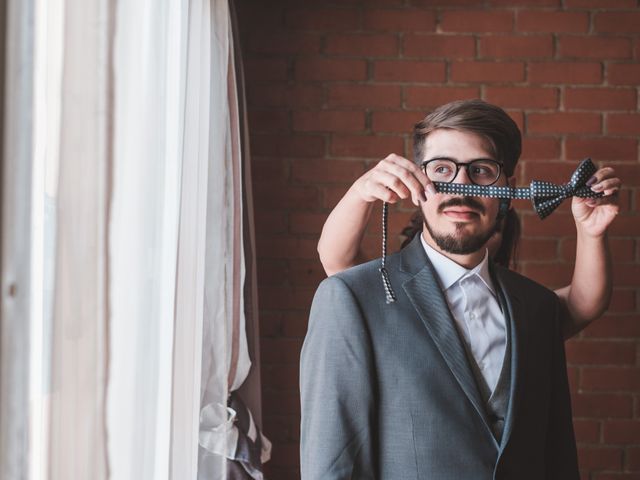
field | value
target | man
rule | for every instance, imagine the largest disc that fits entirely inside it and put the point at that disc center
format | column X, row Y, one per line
column 464, row 375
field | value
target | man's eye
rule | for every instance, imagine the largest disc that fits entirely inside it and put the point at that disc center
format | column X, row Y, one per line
column 442, row 169
column 480, row 171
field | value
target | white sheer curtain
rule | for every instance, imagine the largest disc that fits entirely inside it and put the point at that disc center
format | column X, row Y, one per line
column 224, row 369
column 148, row 96
column 148, row 332
column 81, row 281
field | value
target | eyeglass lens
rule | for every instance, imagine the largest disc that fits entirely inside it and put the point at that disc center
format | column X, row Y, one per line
column 480, row 172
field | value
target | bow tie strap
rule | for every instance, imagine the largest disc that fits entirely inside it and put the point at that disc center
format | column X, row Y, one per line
column 545, row 196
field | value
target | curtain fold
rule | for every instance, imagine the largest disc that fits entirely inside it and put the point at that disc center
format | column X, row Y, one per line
column 17, row 21
column 250, row 390
column 187, row 365
column 148, row 117
column 81, row 307
column 226, row 361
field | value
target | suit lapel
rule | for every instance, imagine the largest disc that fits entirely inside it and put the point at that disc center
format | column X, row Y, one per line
column 514, row 309
column 424, row 292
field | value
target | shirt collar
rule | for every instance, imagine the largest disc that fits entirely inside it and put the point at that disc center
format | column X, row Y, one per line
column 449, row 272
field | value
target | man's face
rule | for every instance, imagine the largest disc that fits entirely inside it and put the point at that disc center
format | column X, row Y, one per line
column 459, row 225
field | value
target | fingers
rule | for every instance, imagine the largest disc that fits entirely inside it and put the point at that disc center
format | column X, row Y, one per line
column 605, row 180
column 392, row 182
column 402, row 177
column 410, row 166
column 608, row 186
column 383, row 193
column 409, row 181
column 418, row 173
column 602, row 173
column 378, row 184
column 606, row 200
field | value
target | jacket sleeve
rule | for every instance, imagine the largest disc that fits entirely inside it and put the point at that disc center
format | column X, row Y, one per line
column 336, row 389
column 561, row 455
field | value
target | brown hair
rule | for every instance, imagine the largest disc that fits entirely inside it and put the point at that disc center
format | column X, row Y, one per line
column 507, row 253
column 475, row 116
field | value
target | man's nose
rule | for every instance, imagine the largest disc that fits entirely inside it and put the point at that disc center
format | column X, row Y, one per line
column 462, row 175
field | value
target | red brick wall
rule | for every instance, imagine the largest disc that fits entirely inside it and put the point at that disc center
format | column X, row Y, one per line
column 334, row 86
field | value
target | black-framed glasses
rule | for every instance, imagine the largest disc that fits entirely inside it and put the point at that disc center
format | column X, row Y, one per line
column 480, row 172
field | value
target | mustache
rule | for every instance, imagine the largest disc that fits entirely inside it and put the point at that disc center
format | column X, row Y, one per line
column 461, row 202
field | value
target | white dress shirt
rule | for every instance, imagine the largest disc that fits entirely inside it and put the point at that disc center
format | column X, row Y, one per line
column 472, row 300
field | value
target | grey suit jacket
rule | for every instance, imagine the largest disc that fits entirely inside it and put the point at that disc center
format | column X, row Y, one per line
column 387, row 391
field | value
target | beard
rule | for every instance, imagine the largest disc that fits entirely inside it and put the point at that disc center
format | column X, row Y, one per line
column 458, row 243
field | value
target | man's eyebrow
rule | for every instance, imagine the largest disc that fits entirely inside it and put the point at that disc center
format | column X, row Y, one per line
column 440, row 157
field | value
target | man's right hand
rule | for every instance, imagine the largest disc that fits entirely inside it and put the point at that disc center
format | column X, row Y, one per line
column 392, row 179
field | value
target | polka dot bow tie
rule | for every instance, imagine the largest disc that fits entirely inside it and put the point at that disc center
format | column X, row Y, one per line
column 546, row 196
